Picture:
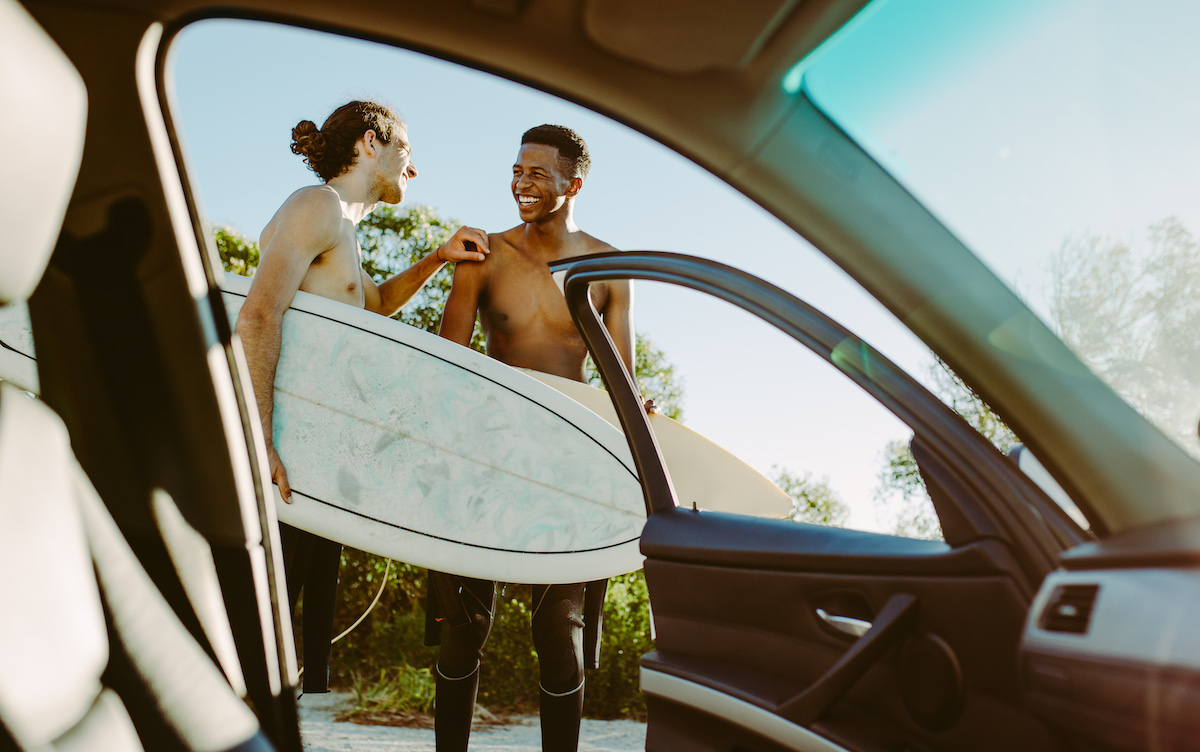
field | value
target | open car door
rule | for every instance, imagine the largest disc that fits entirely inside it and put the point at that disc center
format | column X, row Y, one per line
column 772, row 634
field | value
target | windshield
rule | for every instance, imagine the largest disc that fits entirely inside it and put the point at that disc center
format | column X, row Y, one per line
column 1058, row 140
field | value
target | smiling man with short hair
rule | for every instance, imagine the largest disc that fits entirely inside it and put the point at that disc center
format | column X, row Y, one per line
column 527, row 325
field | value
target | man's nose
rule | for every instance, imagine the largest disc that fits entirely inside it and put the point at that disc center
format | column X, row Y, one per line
column 412, row 170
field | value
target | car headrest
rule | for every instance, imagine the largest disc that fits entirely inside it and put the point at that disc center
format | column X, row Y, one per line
column 45, row 113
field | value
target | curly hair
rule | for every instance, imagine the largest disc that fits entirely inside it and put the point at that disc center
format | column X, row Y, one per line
column 572, row 150
column 330, row 150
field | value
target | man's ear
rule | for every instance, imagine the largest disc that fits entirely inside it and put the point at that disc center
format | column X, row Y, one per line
column 370, row 142
column 573, row 189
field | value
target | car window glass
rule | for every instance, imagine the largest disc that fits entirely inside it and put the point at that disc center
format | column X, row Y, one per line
column 798, row 420
column 238, row 87
column 1057, row 140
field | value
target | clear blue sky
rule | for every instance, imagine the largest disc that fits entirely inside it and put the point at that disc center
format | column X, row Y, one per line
column 1061, row 121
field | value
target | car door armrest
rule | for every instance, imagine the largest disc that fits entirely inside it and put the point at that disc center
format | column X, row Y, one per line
column 894, row 623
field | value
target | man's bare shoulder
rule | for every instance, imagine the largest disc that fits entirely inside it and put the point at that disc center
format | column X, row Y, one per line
column 503, row 245
column 315, row 203
column 509, row 239
column 592, row 245
column 585, row 245
column 312, row 213
column 478, row 272
column 595, row 245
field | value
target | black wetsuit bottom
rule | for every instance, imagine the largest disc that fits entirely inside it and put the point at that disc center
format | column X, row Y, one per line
column 557, row 637
column 310, row 564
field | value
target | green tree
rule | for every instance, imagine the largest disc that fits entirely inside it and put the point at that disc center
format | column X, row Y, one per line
column 900, row 494
column 657, row 378
column 239, row 254
column 1133, row 316
column 813, row 500
column 393, row 240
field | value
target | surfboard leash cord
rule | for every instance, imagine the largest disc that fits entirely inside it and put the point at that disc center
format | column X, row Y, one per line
column 386, row 572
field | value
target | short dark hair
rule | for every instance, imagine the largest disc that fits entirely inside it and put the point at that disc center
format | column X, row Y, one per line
column 572, row 149
column 329, row 150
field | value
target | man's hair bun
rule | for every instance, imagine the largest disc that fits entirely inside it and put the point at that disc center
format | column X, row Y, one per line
column 330, row 150
column 308, row 142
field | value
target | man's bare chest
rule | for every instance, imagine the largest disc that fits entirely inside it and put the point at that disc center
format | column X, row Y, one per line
column 337, row 273
column 524, row 297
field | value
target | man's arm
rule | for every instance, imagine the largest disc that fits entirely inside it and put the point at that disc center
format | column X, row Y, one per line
column 458, row 318
column 306, row 228
column 618, row 320
column 391, row 295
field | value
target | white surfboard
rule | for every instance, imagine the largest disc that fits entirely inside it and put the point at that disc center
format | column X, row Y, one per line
column 17, row 363
column 703, row 473
column 404, row 444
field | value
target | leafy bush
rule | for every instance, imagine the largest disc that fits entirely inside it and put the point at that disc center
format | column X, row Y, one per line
column 385, row 663
column 614, row 689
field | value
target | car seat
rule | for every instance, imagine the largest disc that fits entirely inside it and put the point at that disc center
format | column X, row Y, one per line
column 92, row 655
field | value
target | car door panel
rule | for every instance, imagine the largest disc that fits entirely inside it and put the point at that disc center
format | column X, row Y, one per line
column 756, row 635
column 773, row 634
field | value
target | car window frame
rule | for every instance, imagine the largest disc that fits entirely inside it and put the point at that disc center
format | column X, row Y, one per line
column 1032, row 525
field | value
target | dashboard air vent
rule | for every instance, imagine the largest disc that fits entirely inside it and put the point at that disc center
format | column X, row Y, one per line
column 1070, row 609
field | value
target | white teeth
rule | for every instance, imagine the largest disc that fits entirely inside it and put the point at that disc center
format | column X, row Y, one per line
column 526, row 200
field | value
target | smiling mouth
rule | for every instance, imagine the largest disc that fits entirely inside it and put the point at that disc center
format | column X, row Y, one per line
column 527, row 201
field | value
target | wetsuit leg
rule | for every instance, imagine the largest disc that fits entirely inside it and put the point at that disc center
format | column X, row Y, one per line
column 457, row 671
column 310, row 565
column 320, row 604
column 558, row 639
column 297, row 553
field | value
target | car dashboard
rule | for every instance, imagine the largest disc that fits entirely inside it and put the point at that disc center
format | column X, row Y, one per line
column 1111, row 650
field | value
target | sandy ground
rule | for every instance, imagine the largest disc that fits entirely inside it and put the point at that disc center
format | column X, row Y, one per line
column 323, row 734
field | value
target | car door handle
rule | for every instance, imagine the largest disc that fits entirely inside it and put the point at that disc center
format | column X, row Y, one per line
column 845, row 624
column 895, row 621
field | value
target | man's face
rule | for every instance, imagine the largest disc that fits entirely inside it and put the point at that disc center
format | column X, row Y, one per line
column 394, row 167
column 540, row 186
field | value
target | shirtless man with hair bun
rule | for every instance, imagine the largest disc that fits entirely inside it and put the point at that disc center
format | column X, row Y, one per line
column 363, row 157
